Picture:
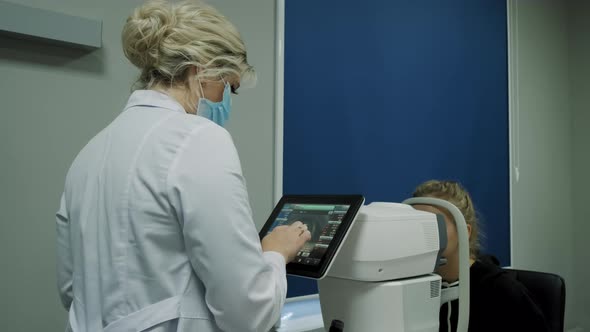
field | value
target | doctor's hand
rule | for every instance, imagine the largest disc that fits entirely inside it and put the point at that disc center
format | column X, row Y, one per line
column 287, row 240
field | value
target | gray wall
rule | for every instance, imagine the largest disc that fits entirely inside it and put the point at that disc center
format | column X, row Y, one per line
column 54, row 100
column 579, row 27
column 542, row 215
column 550, row 135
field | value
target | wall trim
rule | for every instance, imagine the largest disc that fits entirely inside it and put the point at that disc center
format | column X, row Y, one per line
column 279, row 100
column 513, row 111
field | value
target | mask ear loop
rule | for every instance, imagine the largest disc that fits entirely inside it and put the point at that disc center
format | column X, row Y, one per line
column 225, row 83
column 202, row 95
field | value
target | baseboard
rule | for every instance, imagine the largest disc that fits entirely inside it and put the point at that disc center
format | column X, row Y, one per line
column 576, row 329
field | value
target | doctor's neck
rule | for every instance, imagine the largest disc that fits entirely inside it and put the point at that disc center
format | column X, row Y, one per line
column 182, row 95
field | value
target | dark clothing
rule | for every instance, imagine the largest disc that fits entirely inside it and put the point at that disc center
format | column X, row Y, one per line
column 498, row 303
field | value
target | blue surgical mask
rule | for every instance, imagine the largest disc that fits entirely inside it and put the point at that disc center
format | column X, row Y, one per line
column 217, row 112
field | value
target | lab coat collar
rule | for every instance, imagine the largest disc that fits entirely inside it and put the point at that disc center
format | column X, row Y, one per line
column 153, row 98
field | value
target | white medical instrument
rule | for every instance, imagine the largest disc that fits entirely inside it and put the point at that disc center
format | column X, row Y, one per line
column 381, row 277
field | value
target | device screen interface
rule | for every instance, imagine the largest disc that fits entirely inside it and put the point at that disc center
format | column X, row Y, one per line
column 322, row 220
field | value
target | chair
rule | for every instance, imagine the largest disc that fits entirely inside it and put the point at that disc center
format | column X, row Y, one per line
column 548, row 291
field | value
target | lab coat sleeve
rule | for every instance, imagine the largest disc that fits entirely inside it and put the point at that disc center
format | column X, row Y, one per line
column 244, row 288
column 64, row 255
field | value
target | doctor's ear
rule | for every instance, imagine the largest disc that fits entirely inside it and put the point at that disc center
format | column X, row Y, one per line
column 469, row 231
column 191, row 73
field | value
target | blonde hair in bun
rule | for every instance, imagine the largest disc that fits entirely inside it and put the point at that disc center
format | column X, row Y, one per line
column 164, row 39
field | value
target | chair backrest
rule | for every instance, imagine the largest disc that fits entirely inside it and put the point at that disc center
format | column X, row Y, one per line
column 548, row 291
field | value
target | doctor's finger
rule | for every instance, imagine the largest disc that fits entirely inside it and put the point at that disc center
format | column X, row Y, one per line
column 304, row 237
column 297, row 224
column 281, row 228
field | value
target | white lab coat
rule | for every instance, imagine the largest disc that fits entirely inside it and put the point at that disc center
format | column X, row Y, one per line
column 155, row 233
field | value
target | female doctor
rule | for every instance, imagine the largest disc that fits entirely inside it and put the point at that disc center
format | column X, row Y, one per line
column 154, row 231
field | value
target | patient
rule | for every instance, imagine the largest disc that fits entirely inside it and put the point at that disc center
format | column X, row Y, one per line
column 498, row 302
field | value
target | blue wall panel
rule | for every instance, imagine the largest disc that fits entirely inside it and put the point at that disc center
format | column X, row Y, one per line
column 382, row 95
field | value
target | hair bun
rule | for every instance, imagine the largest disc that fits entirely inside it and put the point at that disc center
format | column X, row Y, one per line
column 144, row 32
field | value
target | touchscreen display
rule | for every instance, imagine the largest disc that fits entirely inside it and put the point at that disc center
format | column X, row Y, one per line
column 322, row 220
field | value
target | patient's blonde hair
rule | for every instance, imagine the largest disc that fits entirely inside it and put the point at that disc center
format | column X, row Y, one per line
column 165, row 39
column 456, row 194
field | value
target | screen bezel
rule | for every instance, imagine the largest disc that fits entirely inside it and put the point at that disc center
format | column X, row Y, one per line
column 318, row 271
